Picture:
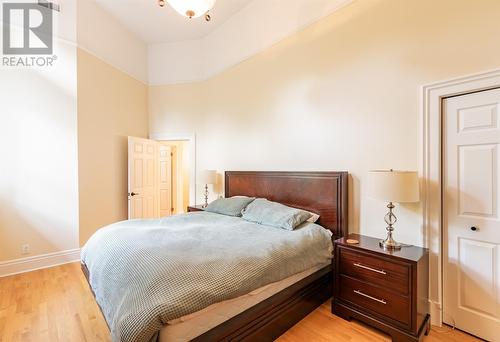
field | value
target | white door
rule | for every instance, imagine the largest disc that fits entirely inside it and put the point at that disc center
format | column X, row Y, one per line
column 471, row 172
column 142, row 178
column 165, row 180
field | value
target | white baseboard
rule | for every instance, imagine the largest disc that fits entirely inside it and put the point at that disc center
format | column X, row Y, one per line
column 38, row 262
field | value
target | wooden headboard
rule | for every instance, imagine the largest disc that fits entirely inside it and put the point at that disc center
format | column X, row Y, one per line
column 324, row 193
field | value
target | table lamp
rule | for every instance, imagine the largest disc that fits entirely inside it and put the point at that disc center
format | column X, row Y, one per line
column 207, row 177
column 393, row 186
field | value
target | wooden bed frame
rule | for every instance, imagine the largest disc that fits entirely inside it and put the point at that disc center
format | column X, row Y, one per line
column 324, row 193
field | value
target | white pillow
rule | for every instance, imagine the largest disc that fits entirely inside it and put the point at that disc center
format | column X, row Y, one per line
column 274, row 214
column 314, row 217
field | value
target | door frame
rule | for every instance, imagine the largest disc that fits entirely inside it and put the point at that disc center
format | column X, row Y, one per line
column 191, row 139
column 430, row 170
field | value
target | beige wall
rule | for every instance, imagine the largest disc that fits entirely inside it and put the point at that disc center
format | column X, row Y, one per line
column 111, row 106
column 65, row 127
column 38, row 169
column 341, row 95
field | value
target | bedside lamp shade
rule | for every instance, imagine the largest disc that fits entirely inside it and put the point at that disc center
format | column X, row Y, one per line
column 394, row 186
column 208, row 177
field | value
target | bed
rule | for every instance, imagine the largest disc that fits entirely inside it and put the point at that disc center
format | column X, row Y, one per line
column 269, row 310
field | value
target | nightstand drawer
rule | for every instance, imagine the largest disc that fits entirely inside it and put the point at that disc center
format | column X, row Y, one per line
column 373, row 270
column 375, row 298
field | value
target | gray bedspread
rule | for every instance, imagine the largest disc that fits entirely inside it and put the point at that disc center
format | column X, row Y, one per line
column 145, row 273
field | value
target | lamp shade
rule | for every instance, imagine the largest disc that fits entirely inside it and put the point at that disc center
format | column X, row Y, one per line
column 394, row 186
column 208, row 177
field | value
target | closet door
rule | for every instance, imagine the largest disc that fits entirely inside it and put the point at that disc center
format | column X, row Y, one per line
column 471, row 172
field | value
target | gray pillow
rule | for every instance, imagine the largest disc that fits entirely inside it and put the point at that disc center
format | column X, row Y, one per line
column 232, row 206
column 274, row 214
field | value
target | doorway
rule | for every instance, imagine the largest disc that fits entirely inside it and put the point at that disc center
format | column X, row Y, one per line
column 471, row 225
column 180, row 177
column 431, row 171
column 158, row 177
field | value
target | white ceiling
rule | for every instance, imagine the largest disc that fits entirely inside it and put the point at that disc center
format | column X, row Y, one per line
column 154, row 24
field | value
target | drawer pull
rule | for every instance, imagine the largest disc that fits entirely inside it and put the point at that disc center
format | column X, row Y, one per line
column 369, row 268
column 370, row 297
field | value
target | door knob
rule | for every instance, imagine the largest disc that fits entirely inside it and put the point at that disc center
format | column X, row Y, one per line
column 473, row 229
column 132, row 194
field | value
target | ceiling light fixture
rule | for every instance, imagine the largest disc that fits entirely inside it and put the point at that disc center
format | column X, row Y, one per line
column 190, row 8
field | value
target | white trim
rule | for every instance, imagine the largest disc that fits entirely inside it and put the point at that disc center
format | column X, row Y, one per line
column 435, row 312
column 191, row 138
column 111, row 64
column 38, row 262
column 430, row 170
column 234, row 41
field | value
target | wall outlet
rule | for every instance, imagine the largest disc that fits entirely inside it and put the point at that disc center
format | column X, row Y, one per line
column 26, row 249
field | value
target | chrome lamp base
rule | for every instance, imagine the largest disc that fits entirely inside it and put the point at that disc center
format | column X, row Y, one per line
column 389, row 243
column 206, row 197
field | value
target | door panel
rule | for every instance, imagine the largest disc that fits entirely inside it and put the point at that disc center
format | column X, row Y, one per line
column 137, row 173
column 471, row 228
column 478, row 117
column 165, row 180
column 477, row 284
column 142, row 188
column 477, row 186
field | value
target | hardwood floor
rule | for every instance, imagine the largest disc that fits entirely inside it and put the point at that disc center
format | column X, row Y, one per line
column 50, row 305
column 56, row 305
column 321, row 326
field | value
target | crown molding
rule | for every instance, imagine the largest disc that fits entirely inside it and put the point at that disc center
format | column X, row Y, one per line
column 235, row 41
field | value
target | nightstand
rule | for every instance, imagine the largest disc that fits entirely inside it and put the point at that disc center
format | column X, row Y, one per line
column 384, row 289
column 193, row 208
